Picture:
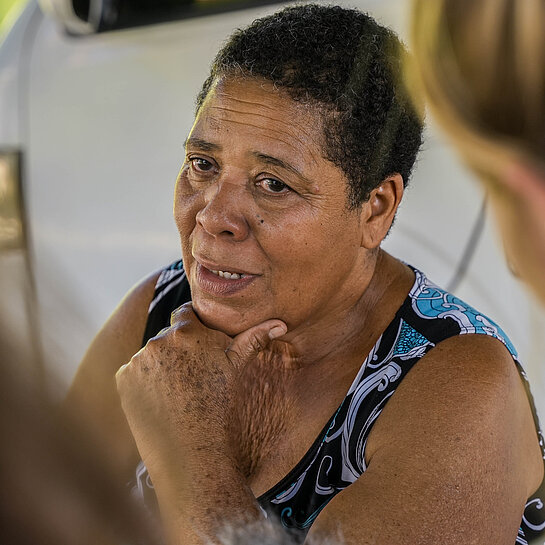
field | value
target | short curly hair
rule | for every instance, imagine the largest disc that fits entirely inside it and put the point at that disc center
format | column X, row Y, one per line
column 343, row 61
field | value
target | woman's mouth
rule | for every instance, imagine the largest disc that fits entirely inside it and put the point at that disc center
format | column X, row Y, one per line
column 222, row 283
column 229, row 275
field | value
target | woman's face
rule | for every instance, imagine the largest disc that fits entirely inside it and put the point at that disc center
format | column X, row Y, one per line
column 256, row 200
column 518, row 199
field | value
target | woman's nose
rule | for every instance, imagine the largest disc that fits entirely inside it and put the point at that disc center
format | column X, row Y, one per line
column 222, row 214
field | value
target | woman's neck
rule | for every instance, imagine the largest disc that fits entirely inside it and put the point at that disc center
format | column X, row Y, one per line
column 362, row 311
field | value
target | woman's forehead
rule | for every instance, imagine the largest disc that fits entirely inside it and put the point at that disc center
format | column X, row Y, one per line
column 255, row 110
column 229, row 86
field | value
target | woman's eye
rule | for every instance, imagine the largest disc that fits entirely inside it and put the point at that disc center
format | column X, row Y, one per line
column 274, row 186
column 201, row 165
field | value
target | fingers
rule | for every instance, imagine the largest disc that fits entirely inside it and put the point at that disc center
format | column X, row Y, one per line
column 183, row 314
column 244, row 346
column 249, row 343
column 121, row 372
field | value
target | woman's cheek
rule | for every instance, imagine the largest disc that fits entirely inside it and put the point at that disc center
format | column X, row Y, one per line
column 187, row 203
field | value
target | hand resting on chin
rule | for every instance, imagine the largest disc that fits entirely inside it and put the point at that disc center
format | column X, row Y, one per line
column 179, row 394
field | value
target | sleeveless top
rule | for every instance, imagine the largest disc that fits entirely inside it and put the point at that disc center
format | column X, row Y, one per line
column 336, row 459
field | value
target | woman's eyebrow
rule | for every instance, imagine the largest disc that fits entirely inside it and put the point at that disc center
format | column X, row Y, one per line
column 201, row 144
column 274, row 161
column 204, row 145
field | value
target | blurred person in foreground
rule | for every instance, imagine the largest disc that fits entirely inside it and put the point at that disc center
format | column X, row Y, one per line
column 57, row 485
column 481, row 65
column 291, row 368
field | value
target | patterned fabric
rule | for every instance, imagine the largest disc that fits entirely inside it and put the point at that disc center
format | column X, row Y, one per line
column 428, row 316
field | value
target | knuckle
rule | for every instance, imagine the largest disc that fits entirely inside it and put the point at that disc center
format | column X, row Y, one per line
column 233, row 355
column 162, row 333
column 183, row 313
column 180, row 327
column 257, row 343
column 179, row 333
column 121, row 375
column 139, row 362
column 153, row 346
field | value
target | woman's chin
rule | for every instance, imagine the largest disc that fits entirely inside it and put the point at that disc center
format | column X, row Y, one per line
column 224, row 319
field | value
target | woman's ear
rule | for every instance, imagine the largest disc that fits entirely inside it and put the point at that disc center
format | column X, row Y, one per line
column 377, row 213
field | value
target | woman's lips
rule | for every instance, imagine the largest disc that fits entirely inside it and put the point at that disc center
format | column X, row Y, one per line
column 222, row 283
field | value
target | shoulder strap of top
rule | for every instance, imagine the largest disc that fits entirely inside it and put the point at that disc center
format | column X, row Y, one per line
column 171, row 291
column 441, row 314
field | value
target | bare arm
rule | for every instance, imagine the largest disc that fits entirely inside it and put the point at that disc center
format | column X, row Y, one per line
column 452, row 459
column 93, row 394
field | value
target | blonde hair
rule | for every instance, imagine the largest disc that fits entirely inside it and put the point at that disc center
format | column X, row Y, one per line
column 481, row 66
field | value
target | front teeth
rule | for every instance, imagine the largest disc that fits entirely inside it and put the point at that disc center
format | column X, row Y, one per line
column 230, row 276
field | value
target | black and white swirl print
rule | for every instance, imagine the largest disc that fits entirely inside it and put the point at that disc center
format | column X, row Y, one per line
column 337, row 457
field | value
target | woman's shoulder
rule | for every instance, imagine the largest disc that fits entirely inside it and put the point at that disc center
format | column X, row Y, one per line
column 439, row 314
column 144, row 299
column 150, row 300
column 120, row 336
column 93, row 393
column 457, row 425
column 469, row 364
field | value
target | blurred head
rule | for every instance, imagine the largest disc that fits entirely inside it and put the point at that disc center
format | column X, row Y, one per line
column 302, row 145
column 481, row 65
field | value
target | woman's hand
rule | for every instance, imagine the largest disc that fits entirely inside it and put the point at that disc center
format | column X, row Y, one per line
column 177, row 394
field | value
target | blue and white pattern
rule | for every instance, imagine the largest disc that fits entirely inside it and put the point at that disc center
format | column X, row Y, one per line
column 431, row 302
column 428, row 316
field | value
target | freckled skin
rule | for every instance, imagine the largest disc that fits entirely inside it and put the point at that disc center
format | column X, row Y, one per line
column 261, row 408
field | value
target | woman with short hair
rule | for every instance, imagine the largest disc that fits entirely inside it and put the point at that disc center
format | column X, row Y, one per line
column 293, row 369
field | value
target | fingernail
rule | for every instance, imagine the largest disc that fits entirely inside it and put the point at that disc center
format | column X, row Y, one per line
column 277, row 331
